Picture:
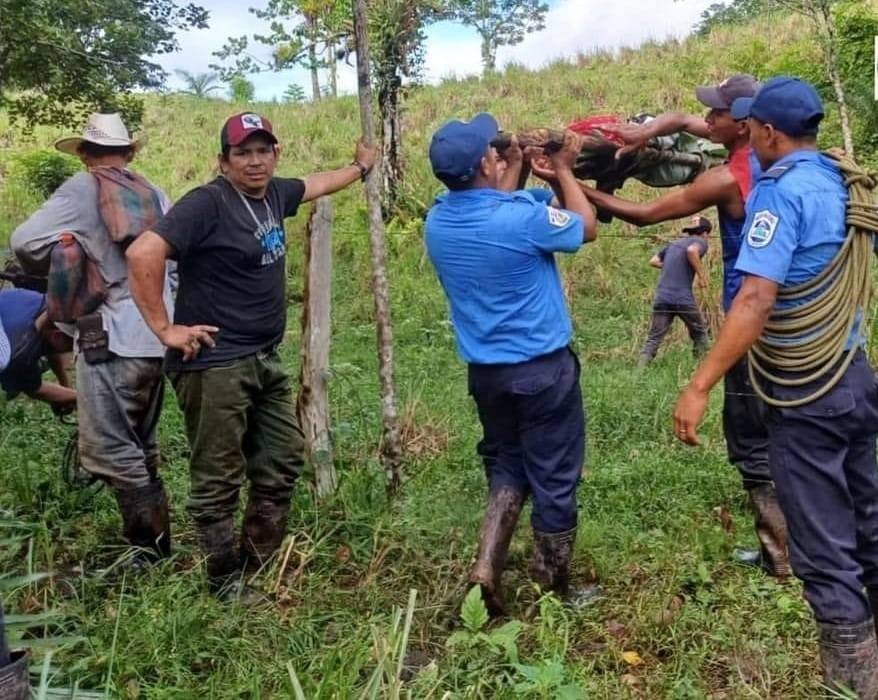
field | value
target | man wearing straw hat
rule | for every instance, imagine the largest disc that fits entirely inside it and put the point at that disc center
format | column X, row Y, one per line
column 119, row 361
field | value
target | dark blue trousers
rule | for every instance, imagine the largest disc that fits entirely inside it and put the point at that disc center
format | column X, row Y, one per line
column 533, row 422
column 744, row 427
column 822, row 458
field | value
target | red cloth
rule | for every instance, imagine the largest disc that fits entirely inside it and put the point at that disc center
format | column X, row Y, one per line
column 739, row 166
column 589, row 124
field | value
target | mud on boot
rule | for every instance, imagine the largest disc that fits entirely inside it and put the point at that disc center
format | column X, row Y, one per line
column 771, row 529
column 146, row 522
column 501, row 515
column 552, row 554
column 263, row 530
column 14, row 678
column 850, row 657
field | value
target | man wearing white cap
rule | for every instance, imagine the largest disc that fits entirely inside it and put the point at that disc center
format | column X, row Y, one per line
column 119, row 361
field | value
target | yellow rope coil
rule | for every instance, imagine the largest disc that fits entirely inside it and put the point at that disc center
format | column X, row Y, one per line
column 807, row 341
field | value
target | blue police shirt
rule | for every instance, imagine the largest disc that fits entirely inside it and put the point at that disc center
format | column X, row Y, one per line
column 493, row 253
column 795, row 220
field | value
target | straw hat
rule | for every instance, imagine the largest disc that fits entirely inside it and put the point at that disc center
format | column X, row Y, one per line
column 104, row 130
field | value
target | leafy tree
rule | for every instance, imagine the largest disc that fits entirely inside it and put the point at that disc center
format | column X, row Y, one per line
column 60, row 59
column 499, row 22
column 302, row 32
column 396, row 35
column 294, row 93
column 241, row 90
column 199, row 84
column 735, row 12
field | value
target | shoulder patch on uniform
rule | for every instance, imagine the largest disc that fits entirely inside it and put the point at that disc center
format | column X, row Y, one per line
column 762, row 229
column 557, row 217
column 778, row 171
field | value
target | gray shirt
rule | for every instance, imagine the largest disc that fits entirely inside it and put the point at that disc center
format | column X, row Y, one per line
column 675, row 285
column 74, row 207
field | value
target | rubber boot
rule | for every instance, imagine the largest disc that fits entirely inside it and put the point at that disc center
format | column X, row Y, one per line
column 771, row 529
column 263, row 530
column 872, row 594
column 501, row 515
column 14, row 678
column 216, row 539
column 850, row 657
column 550, row 568
column 146, row 521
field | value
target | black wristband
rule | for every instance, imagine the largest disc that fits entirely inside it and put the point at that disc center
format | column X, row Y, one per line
column 362, row 168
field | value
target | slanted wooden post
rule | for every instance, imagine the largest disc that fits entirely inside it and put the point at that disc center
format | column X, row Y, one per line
column 312, row 404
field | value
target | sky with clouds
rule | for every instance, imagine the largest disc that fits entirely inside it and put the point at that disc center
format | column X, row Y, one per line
column 572, row 27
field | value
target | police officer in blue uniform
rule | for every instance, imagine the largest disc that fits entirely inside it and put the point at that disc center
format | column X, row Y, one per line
column 493, row 249
column 823, row 452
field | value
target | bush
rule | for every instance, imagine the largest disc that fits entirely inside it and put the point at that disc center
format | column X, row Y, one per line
column 44, row 171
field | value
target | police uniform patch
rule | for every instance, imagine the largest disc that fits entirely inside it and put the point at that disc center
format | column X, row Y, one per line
column 557, row 217
column 762, row 229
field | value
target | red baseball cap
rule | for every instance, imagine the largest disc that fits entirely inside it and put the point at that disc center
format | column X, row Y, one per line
column 240, row 127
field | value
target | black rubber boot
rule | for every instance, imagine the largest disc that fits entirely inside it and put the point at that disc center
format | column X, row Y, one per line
column 498, row 524
column 146, row 520
column 216, row 539
column 552, row 555
column 263, row 530
column 14, row 678
column 850, row 657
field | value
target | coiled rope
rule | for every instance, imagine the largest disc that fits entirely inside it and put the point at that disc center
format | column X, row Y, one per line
column 808, row 340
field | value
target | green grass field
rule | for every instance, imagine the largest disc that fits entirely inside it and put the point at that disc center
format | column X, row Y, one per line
column 676, row 619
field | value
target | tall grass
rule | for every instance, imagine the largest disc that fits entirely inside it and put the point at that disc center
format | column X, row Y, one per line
column 657, row 521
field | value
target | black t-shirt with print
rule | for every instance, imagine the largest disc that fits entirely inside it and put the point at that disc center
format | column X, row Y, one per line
column 230, row 255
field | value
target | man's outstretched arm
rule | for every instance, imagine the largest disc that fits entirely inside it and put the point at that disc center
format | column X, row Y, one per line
column 716, row 187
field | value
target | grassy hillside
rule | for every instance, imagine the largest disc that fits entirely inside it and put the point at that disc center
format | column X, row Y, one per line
column 677, row 619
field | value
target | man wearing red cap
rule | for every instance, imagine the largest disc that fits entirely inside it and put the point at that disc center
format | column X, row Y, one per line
column 726, row 187
column 228, row 239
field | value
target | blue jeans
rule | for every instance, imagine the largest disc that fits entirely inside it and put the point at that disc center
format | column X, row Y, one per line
column 533, row 421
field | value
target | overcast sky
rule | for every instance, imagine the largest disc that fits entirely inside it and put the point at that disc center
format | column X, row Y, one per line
column 572, row 27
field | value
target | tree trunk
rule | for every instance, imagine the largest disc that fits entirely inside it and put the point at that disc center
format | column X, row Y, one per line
column 831, row 52
column 312, row 67
column 333, row 70
column 489, row 54
column 388, row 102
column 391, row 454
column 312, row 404
column 820, row 14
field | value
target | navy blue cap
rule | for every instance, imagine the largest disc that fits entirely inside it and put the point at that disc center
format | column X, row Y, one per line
column 790, row 105
column 457, row 147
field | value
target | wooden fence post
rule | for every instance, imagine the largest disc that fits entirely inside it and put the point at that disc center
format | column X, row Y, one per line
column 312, row 404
